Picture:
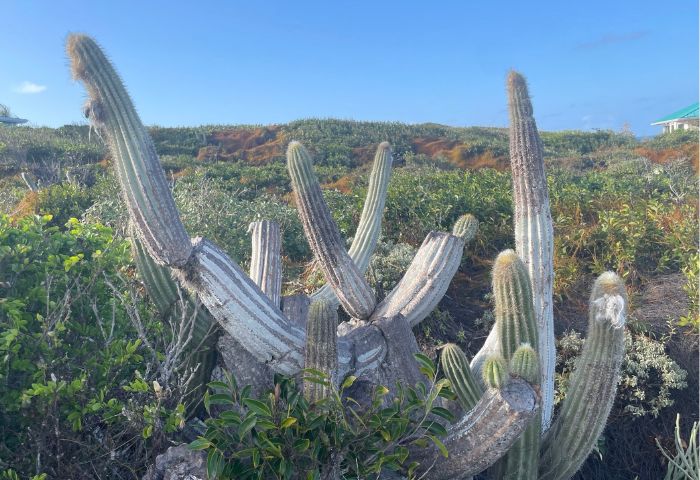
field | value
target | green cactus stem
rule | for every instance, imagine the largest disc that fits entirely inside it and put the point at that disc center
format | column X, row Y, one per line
column 515, row 324
column 142, row 179
column 466, row 227
column 348, row 283
column 495, row 372
column 200, row 352
column 456, row 367
column 321, row 347
column 591, row 391
column 367, row 234
column 525, row 364
column 534, row 237
column 265, row 260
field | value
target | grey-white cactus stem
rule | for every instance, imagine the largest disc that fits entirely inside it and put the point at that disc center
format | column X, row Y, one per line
column 339, row 270
column 477, row 440
column 426, row 280
column 534, row 236
column 265, row 259
column 368, row 229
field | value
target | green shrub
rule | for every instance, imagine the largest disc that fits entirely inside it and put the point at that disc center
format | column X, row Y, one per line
column 281, row 435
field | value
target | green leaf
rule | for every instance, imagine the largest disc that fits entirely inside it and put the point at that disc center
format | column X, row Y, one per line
column 246, row 426
column 215, row 464
column 258, row 407
column 288, row 422
column 200, row 443
column 347, row 383
column 426, row 365
column 439, row 445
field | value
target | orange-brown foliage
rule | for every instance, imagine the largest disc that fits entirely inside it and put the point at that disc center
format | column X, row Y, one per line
column 255, row 146
column 343, row 184
column 458, row 153
column 28, row 205
column 666, row 155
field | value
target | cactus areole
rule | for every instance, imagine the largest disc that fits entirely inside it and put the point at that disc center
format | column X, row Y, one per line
column 262, row 332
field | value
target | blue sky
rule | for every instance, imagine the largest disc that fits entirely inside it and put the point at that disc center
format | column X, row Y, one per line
column 590, row 64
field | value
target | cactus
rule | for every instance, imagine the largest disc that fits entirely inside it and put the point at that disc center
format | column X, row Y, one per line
column 367, row 234
column 321, row 347
column 456, row 367
column 466, row 227
column 591, row 392
column 377, row 342
column 525, row 364
column 265, row 262
column 495, row 372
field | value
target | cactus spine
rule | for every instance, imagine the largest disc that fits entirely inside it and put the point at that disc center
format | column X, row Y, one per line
column 534, row 237
column 591, row 392
column 367, row 234
column 321, row 347
column 456, row 367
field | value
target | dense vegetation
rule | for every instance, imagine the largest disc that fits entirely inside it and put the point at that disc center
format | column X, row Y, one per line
column 85, row 384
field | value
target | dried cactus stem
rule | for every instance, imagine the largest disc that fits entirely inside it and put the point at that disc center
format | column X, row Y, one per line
column 265, row 260
column 591, row 392
column 348, row 283
column 140, row 174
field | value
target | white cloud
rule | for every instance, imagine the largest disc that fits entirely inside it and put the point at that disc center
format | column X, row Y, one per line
column 30, row 88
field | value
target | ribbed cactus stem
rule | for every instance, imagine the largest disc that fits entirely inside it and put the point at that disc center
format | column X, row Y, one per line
column 426, row 280
column 367, row 234
column 591, row 392
column 321, row 347
column 265, row 260
column 348, row 283
column 466, row 227
column 533, row 227
column 515, row 324
column 525, row 364
column 515, row 320
column 140, row 174
column 456, row 367
column 495, row 372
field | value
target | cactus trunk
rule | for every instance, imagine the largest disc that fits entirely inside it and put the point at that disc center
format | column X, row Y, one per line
column 265, row 261
column 321, row 348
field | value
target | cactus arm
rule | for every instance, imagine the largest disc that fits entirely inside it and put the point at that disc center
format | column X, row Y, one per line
column 142, row 179
column 490, row 347
column 321, row 347
column 426, row 280
column 265, row 261
column 242, row 310
column 456, row 367
column 533, row 227
column 484, row 434
column 591, row 393
column 348, row 283
column 367, row 234
column 515, row 324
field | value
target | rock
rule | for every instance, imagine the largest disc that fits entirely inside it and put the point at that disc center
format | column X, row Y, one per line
column 179, row 463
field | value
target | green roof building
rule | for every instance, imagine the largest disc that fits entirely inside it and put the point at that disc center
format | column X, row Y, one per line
column 684, row 119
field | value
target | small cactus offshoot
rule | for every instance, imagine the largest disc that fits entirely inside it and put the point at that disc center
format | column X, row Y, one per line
column 495, row 372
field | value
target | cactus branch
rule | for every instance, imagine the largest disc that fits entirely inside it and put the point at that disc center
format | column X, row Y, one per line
column 143, row 183
column 591, row 392
column 456, row 367
column 367, row 234
column 265, row 261
column 321, row 347
column 348, row 283
column 426, row 280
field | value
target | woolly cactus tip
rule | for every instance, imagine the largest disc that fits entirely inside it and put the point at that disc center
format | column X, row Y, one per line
column 525, row 364
column 466, row 227
column 507, row 263
column 384, row 146
column 294, row 146
column 609, row 300
column 495, row 373
column 74, row 46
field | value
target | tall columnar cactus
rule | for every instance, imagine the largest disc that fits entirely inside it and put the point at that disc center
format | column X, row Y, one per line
column 321, row 347
column 534, row 237
column 265, row 259
column 591, row 391
column 456, row 367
